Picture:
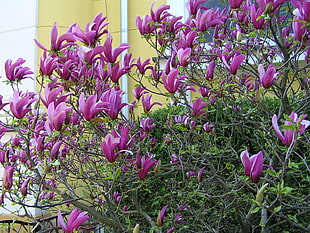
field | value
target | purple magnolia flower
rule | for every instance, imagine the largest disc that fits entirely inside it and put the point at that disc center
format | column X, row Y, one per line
column 187, row 40
column 93, row 31
column 171, row 230
column 172, row 82
column 146, row 125
column 302, row 9
column 191, row 174
column 7, row 181
column 55, row 150
column 123, row 135
column 270, row 6
column 143, row 165
column 110, row 55
column 198, row 106
column 52, row 95
column 209, row 127
column 193, row 6
column 24, row 187
column 113, row 99
column 57, row 116
column 145, row 24
column 147, row 103
column 90, row 107
column 15, row 71
column 143, row 67
column 117, row 197
column 184, row 56
column 108, row 147
column 234, row 4
column 266, row 78
column 210, row 70
column 57, row 43
column 236, row 62
column 161, row 215
column 208, row 18
column 75, row 220
column 3, row 157
column 200, row 174
column 20, row 103
column 138, row 92
column 47, row 65
column 2, row 105
column 253, row 166
column 296, row 126
column 116, row 72
column 160, row 13
column 255, row 13
column 299, row 28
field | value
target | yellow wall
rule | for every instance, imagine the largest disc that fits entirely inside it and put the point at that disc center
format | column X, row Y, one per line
column 68, row 12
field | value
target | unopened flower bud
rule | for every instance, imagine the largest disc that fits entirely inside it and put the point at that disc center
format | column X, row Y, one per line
column 24, row 187
column 157, row 167
column 268, row 8
column 239, row 36
column 260, row 193
column 200, row 174
column 136, row 229
column 7, row 181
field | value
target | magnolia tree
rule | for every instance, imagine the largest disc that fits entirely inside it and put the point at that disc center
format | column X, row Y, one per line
column 227, row 154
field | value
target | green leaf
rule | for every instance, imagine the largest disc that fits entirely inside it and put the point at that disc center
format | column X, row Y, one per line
column 287, row 190
column 255, row 210
column 277, row 209
column 292, row 217
column 55, row 163
column 289, row 127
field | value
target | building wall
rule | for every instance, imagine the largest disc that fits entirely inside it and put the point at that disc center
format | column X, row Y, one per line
column 17, row 30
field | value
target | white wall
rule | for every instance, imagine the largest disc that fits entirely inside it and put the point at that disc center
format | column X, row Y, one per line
column 178, row 8
column 18, row 28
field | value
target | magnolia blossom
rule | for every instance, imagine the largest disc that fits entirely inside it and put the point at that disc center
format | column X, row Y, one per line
column 91, row 106
column 108, row 147
column 15, row 71
column 210, row 70
column 110, row 54
column 172, row 82
column 235, row 63
column 24, row 187
column 58, row 43
column 292, row 128
column 143, row 165
column 75, row 220
column 234, row 4
column 161, row 215
column 253, row 166
column 57, row 116
column 147, row 102
column 113, row 102
column 184, row 56
column 7, row 181
column 198, row 106
column 20, row 104
column 266, row 78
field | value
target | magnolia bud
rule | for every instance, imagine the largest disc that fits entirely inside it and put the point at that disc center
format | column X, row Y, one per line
column 268, row 8
column 7, row 181
column 260, row 193
column 24, row 187
column 136, row 229
column 157, row 167
column 239, row 36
